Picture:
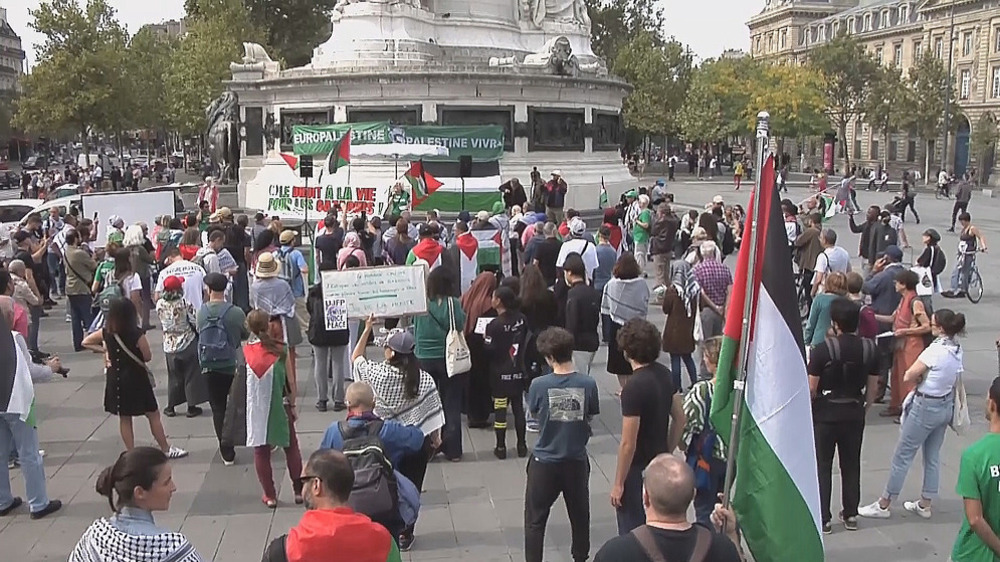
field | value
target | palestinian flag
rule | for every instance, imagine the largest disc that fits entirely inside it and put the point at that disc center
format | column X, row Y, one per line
column 776, row 493
column 603, row 202
column 421, row 182
column 17, row 394
column 481, row 186
column 831, row 208
column 340, row 156
column 468, row 251
column 428, row 250
column 494, row 249
column 267, row 421
column 291, row 159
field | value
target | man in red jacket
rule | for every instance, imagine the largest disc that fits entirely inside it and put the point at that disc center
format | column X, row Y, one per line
column 329, row 525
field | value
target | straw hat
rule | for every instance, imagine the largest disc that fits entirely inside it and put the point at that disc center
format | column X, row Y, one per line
column 267, row 266
column 287, row 237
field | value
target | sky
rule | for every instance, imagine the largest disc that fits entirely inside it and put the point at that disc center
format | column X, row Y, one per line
column 707, row 31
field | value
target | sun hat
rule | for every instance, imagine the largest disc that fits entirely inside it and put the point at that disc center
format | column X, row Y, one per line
column 267, row 266
column 483, row 216
column 718, row 200
column 287, row 237
column 557, row 173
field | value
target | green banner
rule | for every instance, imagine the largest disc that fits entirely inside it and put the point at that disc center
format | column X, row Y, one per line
column 482, row 143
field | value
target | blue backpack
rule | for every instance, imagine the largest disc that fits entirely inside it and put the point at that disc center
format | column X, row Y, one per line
column 701, row 454
column 213, row 340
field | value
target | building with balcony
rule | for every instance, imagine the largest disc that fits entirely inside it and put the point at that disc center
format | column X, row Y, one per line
column 11, row 56
column 171, row 29
column 897, row 32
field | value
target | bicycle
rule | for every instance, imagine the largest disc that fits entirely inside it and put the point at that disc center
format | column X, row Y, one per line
column 974, row 289
column 803, row 298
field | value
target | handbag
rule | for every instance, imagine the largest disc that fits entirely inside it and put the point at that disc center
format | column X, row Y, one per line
column 960, row 420
column 457, row 357
column 699, row 331
column 925, row 281
column 140, row 362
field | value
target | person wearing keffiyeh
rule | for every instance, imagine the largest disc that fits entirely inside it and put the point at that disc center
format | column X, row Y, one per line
column 141, row 481
column 680, row 303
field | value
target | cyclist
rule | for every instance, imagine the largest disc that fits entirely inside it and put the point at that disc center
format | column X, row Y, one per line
column 970, row 240
column 944, row 184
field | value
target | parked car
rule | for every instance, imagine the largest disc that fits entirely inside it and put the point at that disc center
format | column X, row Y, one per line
column 9, row 180
column 12, row 211
column 35, row 163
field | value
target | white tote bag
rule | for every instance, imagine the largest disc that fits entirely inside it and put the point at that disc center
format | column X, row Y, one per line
column 925, row 281
column 456, row 352
column 960, row 420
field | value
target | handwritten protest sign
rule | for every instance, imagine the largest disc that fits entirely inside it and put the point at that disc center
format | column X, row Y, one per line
column 383, row 291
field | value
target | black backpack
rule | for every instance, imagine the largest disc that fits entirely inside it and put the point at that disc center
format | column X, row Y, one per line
column 375, row 492
column 728, row 240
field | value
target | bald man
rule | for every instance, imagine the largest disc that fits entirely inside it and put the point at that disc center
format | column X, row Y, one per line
column 668, row 490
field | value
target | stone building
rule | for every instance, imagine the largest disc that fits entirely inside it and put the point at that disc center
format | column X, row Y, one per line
column 896, row 32
column 171, row 29
column 11, row 56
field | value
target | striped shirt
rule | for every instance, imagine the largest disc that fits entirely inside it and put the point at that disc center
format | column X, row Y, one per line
column 696, row 410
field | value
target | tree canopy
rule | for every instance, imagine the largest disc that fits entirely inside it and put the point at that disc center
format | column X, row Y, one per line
column 660, row 73
column 792, row 95
column 718, row 99
column 617, row 23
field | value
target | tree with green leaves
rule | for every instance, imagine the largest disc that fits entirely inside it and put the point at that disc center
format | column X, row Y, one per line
column 77, row 83
column 847, row 71
column 793, row 96
column 716, row 103
column 660, row 74
column 616, row 23
column 214, row 39
column 887, row 106
column 928, row 86
column 293, row 27
column 149, row 56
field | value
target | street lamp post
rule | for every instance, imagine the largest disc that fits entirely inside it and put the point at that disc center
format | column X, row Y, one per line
column 949, row 84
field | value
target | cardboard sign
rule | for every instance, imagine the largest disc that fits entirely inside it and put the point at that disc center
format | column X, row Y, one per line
column 335, row 312
column 385, row 292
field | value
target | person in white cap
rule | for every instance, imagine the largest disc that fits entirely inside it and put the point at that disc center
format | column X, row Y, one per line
column 209, row 192
column 578, row 243
column 555, row 197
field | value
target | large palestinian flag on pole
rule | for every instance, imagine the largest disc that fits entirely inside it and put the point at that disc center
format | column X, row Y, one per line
column 776, row 493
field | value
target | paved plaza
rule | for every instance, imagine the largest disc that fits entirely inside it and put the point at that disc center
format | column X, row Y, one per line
column 472, row 510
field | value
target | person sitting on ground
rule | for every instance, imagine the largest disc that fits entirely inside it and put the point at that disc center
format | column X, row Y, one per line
column 398, row 441
column 667, row 493
column 329, row 524
column 142, row 481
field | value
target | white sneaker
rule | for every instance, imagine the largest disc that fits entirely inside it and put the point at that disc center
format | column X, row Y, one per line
column 69, row 319
column 228, row 463
column 874, row 511
column 914, row 507
column 176, row 453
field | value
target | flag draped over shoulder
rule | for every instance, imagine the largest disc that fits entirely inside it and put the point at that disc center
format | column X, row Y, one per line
column 468, row 250
column 267, row 421
column 494, row 249
column 340, row 156
column 776, row 493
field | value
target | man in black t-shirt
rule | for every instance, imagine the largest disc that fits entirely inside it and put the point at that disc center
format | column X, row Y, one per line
column 843, row 380
column 652, row 419
column 547, row 252
column 667, row 534
column 581, row 313
column 26, row 251
column 330, row 241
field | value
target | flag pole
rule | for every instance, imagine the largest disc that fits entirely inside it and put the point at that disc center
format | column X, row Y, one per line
column 763, row 128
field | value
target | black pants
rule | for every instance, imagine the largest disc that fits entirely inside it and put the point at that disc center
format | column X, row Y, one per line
column 79, row 309
column 452, row 392
column 908, row 202
column 807, row 281
column 631, row 514
column 545, row 482
column 219, row 383
column 414, row 467
column 500, row 404
column 960, row 207
column 844, row 437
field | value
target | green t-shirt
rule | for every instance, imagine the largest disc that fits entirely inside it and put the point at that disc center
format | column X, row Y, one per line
column 639, row 234
column 979, row 479
column 399, row 202
column 116, row 235
column 105, row 270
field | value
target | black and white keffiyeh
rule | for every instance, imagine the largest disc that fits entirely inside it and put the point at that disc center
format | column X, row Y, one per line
column 424, row 411
column 102, row 542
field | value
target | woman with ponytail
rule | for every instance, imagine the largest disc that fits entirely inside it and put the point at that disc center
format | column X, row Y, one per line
column 271, row 392
column 139, row 483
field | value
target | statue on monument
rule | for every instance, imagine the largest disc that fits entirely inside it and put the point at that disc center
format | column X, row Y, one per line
column 555, row 57
column 222, row 115
column 338, row 9
column 561, row 11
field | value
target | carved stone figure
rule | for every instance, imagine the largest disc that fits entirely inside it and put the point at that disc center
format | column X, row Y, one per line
column 563, row 11
column 338, row 9
column 222, row 116
column 254, row 53
column 555, row 57
column 271, row 131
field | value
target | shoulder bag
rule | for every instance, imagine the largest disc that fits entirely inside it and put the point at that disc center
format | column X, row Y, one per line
column 138, row 361
column 960, row 420
column 647, row 541
column 457, row 357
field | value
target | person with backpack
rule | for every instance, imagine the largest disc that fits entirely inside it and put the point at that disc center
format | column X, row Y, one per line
column 932, row 258
column 843, row 380
column 122, row 283
column 221, row 327
column 374, row 447
column 706, row 452
column 910, row 323
column 504, row 344
column 80, row 270
column 273, row 296
column 192, row 274
column 331, row 348
column 329, row 524
column 180, row 344
column 294, row 268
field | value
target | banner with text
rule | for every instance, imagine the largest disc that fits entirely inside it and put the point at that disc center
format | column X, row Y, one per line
column 482, row 143
column 277, row 190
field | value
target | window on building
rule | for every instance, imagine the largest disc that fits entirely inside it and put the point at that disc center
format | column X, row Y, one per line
column 873, row 155
column 995, row 90
column 857, row 147
column 965, row 84
column 783, row 39
column 904, row 14
column 967, row 43
column 867, row 22
column 996, row 43
column 822, row 33
column 911, row 150
column 918, row 50
column 758, row 43
column 834, row 28
column 897, row 56
column 851, row 29
column 939, row 47
column 883, row 21
column 878, row 55
column 891, row 147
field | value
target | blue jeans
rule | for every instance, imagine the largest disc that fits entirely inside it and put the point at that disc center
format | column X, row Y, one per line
column 56, row 273
column 960, row 274
column 675, row 369
column 924, row 427
column 631, row 514
column 705, row 500
column 17, row 435
column 79, row 310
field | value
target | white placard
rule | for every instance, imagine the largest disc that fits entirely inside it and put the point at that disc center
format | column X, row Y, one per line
column 335, row 314
column 481, row 325
column 131, row 206
column 385, row 292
